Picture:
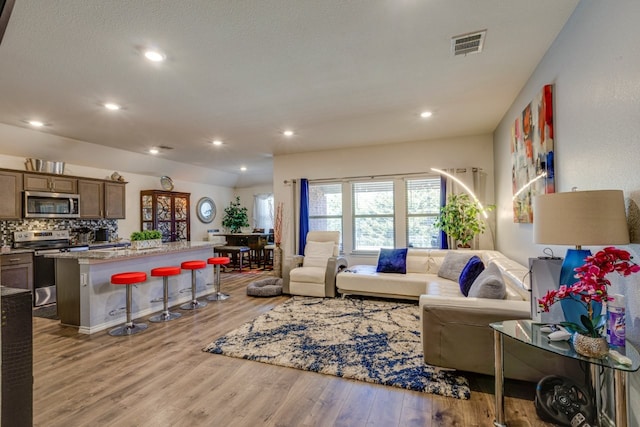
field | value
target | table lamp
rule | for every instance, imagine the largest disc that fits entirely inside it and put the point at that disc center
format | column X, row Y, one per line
column 580, row 218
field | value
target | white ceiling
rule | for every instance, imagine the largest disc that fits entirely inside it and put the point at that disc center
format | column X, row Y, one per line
column 340, row 73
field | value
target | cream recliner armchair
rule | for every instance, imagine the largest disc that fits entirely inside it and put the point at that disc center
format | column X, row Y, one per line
column 314, row 274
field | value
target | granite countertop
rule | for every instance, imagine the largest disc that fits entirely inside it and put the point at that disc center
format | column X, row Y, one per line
column 97, row 245
column 92, row 246
column 124, row 252
column 17, row 251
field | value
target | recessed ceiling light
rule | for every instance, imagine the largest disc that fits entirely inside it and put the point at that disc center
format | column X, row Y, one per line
column 288, row 132
column 243, row 168
column 216, row 142
column 154, row 151
column 154, row 55
column 426, row 114
column 111, row 106
column 35, row 123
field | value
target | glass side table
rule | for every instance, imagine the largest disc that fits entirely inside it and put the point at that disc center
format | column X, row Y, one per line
column 529, row 333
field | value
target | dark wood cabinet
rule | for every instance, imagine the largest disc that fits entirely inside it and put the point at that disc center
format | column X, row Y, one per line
column 98, row 198
column 52, row 183
column 166, row 211
column 114, row 200
column 101, row 199
column 91, row 198
column 16, row 270
column 11, row 195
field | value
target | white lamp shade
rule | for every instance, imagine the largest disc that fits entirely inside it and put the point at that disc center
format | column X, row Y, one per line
column 580, row 218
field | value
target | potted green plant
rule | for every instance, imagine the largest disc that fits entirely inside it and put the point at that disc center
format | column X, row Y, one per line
column 460, row 219
column 146, row 239
column 235, row 216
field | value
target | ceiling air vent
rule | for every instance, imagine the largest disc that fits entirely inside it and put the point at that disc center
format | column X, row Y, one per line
column 465, row 44
column 164, row 147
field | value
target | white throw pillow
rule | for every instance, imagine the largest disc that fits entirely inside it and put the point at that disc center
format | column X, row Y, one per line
column 317, row 254
column 489, row 284
column 454, row 262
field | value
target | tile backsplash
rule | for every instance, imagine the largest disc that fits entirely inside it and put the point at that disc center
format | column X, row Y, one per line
column 8, row 227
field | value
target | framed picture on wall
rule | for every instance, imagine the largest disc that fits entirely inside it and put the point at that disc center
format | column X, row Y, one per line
column 532, row 154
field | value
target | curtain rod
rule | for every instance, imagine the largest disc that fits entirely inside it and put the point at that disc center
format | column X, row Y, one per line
column 345, row 178
column 395, row 175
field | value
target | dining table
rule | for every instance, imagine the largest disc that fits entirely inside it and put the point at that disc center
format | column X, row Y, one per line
column 254, row 241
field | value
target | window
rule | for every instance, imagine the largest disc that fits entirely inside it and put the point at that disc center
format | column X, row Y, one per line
column 423, row 208
column 397, row 212
column 325, row 208
column 263, row 211
column 373, row 215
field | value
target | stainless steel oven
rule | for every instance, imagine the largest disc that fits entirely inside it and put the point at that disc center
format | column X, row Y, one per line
column 51, row 205
column 45, row 242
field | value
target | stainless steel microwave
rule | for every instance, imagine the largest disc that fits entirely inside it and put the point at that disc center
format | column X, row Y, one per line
column 51, row 205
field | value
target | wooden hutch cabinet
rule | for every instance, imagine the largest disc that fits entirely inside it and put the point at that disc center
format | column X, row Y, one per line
column 166, row 211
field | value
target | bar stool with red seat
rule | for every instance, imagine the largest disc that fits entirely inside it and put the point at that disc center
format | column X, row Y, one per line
column 165, row 272
column 193, row 266
column 128, row 279
column 217, row 262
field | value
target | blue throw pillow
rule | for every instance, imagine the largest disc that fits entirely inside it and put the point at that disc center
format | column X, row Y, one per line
column 392, row 261
column 469, row 273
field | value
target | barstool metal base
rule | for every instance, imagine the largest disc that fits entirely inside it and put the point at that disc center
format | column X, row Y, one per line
column 193, row 305
column 128, row 329
column 218, row 296
column 165, row 316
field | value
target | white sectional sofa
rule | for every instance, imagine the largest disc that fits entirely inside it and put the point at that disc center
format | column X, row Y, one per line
column 455, row 329
column 422, row 277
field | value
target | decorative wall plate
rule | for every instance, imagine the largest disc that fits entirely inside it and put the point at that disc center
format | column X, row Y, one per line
column 166, row 182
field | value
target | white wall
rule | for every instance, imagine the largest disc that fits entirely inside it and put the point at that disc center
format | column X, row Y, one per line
column 94, row 161
column 22, row 142
column 404, row 158
column 17, row 140
column 136, row 183
column 593, row 65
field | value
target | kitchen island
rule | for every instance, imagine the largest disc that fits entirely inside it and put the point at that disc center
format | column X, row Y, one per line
column 87, row 299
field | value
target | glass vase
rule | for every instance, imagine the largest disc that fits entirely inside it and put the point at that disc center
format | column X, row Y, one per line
column 589, row 346
column 572, row 306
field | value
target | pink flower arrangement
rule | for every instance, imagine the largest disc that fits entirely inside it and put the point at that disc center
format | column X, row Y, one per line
column 592, row 287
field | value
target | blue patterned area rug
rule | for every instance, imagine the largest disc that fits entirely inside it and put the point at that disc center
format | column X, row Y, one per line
column 366, row 340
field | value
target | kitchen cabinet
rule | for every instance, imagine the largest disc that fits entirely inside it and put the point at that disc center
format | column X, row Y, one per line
column 166, row 211
column 114, row 200
column 101, row 199
column 91, row 198
column 16, row 270
column 11, row 195
column 51, row 183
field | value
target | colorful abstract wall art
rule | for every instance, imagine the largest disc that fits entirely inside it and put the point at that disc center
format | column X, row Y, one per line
column 532, row 154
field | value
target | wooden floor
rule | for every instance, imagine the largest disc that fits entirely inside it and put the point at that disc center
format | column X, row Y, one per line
column 162, row 378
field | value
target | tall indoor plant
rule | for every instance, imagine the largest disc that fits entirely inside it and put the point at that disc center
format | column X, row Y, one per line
column 235, row 216
column 460, row 219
